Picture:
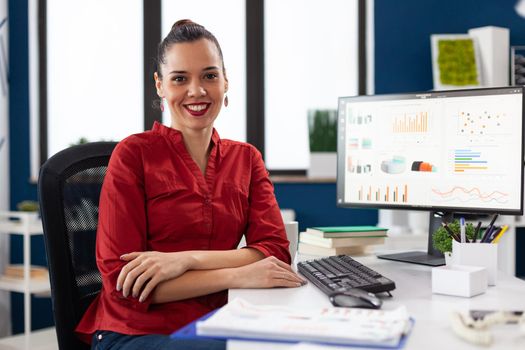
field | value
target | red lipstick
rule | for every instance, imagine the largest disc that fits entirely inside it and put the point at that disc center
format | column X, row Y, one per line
column 197, row 109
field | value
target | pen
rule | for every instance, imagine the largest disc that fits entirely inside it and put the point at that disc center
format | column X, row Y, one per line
column 487, row 234
column 489, row 229
column 476, row 233
column 493, row 234
column 462, row 230
column 498, row 236
column 449, row 231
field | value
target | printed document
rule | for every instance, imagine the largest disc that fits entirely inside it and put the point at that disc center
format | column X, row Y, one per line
column 331, row 325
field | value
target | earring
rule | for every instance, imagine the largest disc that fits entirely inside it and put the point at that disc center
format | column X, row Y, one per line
column 162, row 104
column 226, row 101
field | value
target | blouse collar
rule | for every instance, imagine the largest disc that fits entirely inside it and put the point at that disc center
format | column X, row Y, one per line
column 176, row 135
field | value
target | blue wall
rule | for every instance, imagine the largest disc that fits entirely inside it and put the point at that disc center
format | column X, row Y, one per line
column 403, row 29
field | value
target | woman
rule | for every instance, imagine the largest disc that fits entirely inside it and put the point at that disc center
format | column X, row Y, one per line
column 174, row 205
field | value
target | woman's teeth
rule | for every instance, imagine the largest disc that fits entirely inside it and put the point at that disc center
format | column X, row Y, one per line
column 196, row 108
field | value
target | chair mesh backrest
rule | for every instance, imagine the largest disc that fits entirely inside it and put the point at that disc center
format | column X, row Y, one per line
column 81, row 193
column 69, row 189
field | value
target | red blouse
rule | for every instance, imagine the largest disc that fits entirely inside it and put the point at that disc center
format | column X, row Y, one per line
column 155, row 198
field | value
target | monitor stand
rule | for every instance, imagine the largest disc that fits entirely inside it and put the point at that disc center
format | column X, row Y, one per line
column 432, row 257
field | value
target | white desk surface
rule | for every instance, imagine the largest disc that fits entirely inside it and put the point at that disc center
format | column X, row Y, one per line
column 414, row 290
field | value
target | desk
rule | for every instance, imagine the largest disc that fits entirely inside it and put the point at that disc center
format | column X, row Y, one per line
column 414, row 290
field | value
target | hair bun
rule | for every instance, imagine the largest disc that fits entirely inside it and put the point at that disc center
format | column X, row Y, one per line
column 183, row 23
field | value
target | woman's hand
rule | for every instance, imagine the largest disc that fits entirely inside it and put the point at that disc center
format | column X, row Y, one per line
column 147, row 269
column 267, row 273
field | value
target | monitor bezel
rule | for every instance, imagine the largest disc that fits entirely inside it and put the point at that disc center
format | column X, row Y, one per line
column 423, row 95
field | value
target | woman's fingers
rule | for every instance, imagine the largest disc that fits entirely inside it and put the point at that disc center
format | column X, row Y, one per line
column 142, row 280
column 288, row 268
column 150, row 285
column 130, row 256
column 129, row 281
column 284, row 266
column 124, row 272
column 290, row 276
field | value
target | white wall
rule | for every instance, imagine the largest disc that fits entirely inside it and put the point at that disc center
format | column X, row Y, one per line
column 5, row 322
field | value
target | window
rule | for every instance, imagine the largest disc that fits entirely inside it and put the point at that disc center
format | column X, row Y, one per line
column 283, row 59
column 311, row 58
column 226, row 20
column 94, row 71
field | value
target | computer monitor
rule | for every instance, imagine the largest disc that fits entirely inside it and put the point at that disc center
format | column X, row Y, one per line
column 445, row 152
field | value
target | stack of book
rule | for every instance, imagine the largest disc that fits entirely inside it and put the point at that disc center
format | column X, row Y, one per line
column 336, row 240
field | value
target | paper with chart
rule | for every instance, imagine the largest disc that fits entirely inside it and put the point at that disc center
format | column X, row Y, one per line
column 240, row 319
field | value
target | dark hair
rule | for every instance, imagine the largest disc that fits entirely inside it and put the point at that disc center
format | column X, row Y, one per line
column 184, row 31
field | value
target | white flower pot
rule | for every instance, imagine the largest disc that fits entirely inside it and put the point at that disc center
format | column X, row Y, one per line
column 323, row 165
column 449, row 259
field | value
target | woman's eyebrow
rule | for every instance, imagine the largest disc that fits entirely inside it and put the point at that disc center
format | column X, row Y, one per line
column 185, row 72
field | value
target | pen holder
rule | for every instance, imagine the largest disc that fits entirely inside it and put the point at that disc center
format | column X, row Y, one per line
column 478, row 254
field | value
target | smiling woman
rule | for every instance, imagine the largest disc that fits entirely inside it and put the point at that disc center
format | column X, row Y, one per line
column 175, row 203
column 229, row 27
column 193, row 85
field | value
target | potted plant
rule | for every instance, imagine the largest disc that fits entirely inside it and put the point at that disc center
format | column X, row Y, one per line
column 31, row 207
column 28, row 206
column 322, row 128
column 443, row 242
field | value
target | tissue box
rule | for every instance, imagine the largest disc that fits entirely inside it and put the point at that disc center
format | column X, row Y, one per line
column 459, row 280
column 477, row 254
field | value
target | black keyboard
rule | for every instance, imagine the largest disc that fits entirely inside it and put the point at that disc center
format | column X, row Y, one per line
column 341, row 273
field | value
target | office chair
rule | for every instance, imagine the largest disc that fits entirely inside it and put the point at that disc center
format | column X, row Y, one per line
column 69, row 189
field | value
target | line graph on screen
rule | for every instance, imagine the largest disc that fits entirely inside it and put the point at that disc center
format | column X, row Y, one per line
column 464, row 195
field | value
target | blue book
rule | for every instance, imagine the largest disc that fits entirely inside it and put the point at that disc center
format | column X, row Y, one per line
column 189, row 332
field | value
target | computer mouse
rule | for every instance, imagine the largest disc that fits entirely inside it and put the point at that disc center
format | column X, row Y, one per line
column 356, row 298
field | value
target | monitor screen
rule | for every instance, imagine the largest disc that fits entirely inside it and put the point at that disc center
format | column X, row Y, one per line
column 454, row 151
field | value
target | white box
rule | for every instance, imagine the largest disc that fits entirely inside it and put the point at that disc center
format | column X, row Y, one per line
column 493, row 43
column 459, row 280
column 477, row 254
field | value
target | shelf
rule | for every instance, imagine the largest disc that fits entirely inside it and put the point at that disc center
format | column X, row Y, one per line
column 10, row 226
column 36, row 285
column 17, row 228
column 300, row 179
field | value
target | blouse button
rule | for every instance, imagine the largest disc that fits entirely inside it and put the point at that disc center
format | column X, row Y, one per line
column 207, row 200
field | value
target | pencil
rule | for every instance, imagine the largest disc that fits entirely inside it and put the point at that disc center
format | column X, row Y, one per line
column 498, row 236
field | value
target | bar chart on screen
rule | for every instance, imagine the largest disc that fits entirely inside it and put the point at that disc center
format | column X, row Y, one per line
column 410, row 123
column 384, row 193
column 469, row 160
